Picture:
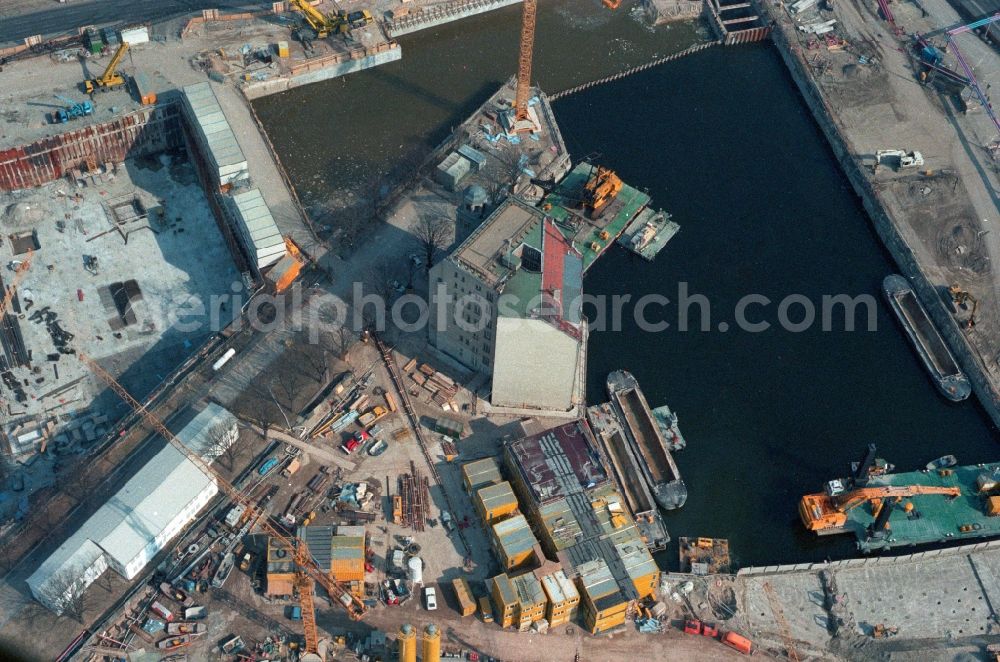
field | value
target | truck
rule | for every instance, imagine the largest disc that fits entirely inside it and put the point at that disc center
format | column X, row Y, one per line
column 161, row 610
column 292, row 467
column 901, row 158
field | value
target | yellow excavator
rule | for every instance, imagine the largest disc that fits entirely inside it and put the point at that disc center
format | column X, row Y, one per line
column 962, row 298
column 322, row 24
column 110, row 79
column 602, row 187
column 827, row 513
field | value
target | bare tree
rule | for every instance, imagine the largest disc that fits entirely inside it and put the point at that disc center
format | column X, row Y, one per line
column 79, row 483
column 223, row 446
column 382, row 278
column 68, row 592
column 338, row 341
column 432, row 233
column 500, row 172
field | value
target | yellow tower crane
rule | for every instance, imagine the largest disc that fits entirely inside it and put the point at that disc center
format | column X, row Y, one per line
column 306, row 570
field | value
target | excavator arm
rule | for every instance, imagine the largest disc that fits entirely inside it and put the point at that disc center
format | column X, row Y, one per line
column 820, row 512
column 322, row 24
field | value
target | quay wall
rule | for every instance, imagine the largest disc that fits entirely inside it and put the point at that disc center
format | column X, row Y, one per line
column 314, row 72
column 962, row 550
column 896, row 238
column 441, row 14
column 140, row 133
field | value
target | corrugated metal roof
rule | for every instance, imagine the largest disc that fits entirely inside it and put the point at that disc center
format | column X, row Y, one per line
column 559, row 587
column 481, row 472
column 597, row 578
column 514, row 535
column 257, row 227
column 495, row 496
column 317, row 539
column 529, row 590
column 506, row 590
column 637, row 560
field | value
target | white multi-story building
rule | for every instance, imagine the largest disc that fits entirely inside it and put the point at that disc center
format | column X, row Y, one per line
column 135, row 524
column 506, row 303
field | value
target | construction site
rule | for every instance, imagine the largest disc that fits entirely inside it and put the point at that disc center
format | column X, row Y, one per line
column 203, row 460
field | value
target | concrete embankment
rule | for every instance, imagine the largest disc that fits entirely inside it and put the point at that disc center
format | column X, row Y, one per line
column 320, row 69
column 440, row 14
column 899, row 238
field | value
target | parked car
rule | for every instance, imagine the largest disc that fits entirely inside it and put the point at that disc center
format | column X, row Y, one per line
column 430, row 598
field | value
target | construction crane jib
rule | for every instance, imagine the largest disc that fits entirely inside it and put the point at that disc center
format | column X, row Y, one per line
column 522, row 120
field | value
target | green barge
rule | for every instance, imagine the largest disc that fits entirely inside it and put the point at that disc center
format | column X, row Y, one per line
column 888, row 510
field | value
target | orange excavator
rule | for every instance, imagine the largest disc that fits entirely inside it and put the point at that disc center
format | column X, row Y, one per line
column 602, row 187
column 827, row 512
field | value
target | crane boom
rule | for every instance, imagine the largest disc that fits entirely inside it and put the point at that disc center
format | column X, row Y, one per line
column 19, row 273
column 322, row 24
column 305, row 566
column 110, row 78
column 822, row 512
column 524, row 63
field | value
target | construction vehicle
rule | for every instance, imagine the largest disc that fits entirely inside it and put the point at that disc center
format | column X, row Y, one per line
column 110, row 79
column 306, row 569
column 602, row 187
column 73, row 110
column 902, row 159
column 321, row 24
column 826, row 512
column 962, row 298
column 359, row 19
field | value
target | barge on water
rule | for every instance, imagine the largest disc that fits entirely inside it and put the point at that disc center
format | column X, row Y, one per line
column 642, row 435
column 625, row 469
column 908, row 509
column 933, row 351
column 648, row 233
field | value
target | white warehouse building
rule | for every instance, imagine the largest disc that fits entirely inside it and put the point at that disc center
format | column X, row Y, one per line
column 152, row 507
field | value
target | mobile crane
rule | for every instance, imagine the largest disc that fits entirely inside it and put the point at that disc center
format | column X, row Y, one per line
column 110, row 79
column 306, row 569
column 826, row 512
column 322, row 24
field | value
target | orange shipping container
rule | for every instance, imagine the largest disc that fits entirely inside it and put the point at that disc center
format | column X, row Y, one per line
column 466, row 605
column 738, row 642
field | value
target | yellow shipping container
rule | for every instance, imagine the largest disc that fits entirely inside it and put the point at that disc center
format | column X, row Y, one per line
column 505, row 600
column 495, row 502
column 282, row 49
column 466, row 605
